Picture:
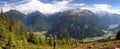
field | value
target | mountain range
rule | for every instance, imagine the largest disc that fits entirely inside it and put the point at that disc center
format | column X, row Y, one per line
column 30, row 19
column 76, row 23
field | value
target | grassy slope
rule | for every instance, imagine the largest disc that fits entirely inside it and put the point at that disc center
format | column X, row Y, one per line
column 42, row 34
column 107, row 36
column 101, row 45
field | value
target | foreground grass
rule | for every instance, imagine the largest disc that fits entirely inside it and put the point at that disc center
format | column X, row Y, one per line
column 98, row 45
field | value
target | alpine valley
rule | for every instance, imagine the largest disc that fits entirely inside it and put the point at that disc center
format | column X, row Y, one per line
column 77, row 23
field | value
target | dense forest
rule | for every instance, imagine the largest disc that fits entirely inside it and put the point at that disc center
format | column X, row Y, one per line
column 14, row 34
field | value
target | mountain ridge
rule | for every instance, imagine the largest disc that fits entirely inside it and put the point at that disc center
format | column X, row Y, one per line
column 82, row 20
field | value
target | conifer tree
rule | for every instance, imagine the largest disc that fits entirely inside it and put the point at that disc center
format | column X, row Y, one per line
column 23, row 33
column 11, row 40
column 50, row 40
column 40, row 41
column 67, row 38
column 118, row 35
column 55, row 43
column 3, row 29
column 32, row 38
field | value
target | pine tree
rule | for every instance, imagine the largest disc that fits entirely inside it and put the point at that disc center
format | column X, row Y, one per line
column 118, row 36
column 68, row 39
column 3, row 29
column 23, row 33
column 32, row 38
column 40, row 41
column 11, row 39
column 50, row 40
column 15, row 25
column 55, row 42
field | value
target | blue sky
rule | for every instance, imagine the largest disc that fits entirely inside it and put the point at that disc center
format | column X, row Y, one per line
column 27, row 6
column 115, row 3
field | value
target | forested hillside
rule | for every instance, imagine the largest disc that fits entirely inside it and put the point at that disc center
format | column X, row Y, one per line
column 79, row 24
column 36, row 19
column 14, row 34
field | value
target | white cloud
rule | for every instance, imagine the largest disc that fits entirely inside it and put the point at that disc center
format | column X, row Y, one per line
column 49, row 8
column 34, row 5
column 101, row 7
column 79, row 5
